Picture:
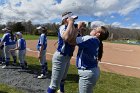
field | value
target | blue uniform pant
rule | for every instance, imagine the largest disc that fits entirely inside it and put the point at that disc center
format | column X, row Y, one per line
column 88, row 79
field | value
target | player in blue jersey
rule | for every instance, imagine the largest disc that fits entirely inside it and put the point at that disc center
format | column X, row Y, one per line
column 21, row 50
column 9, row 41
column 62, row 56
column 42, row 47
column 89, row 54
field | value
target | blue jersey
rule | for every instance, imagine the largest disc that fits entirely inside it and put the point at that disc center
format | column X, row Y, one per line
column 63, row 47
column 42, row 41
column 7, row 39
column 88, row 52
column 21, row 44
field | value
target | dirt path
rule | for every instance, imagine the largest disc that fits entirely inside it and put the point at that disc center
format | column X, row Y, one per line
column 118, row 58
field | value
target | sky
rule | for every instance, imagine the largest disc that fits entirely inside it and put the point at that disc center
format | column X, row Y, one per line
column 118, row 13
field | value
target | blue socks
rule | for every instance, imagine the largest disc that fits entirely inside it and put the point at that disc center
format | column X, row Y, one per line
column 62, row 85
column 15, row 59
column 51, row 90
column 7, row 61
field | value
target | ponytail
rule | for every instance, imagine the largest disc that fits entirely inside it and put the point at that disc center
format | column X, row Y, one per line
column 12, row 36
column 100, row 51
column 103, row 36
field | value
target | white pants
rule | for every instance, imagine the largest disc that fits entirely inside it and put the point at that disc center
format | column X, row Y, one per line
column 2, row 53
column 88, row 79
column 60, row 66
column 21, row 56
column 43, row 57
column 43, row 62
column 6, row 50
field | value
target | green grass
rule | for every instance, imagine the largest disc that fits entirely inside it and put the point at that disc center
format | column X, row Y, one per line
column 35, row 37
column 113, row 83
column 108, row 82
column 7, row 89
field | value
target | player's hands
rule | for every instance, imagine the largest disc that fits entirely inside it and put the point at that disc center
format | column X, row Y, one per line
column 10, row 50
column 81, row 24
column 39, row 57
column 70, row 20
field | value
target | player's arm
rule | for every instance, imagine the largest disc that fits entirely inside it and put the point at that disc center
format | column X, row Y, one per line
column 18, row 46
column 70, row 32
column 77, row 31
column 40, row 51
column 82, row 41
column 41, row 47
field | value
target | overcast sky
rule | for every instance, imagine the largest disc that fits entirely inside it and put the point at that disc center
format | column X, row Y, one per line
column 125, row 13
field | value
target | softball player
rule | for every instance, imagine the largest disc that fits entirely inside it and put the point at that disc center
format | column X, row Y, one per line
column 2, row 59
column 9, row 41
column 41, row 47
column 62, row 56
column 21, row 47
column 87, row 58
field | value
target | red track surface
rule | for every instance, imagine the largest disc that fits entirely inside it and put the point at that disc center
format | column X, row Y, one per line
column 118, row 58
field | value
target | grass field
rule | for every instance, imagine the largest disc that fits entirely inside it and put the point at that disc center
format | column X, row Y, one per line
column 108, row 82
column 35, row 37
column 6, row 89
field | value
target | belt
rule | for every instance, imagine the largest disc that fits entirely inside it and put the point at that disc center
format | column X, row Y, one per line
column 87, row 68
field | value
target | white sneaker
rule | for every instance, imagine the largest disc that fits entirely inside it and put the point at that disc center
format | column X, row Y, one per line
column 4, row 66
column 59, row 91
column 41, row 76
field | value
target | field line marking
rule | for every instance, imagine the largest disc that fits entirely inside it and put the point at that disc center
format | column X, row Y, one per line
column 107, row 63
column 124, row 50
column 119, row 65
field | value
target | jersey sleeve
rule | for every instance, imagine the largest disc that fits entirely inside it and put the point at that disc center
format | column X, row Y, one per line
column 83, row 41
column 42, row 39
column 62, row 30
column 19, row 43
column 3, row 39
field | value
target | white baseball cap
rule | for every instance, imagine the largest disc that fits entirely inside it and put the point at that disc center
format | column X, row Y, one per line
column 41, row 28
column 19, row 33
column 38, row 28
column 70, row 14
column 6, row 29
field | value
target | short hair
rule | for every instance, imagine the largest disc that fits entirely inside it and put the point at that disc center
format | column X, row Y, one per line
column 44, row 29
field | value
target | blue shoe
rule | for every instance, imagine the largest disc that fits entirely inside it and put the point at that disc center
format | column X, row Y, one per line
column 51, row 90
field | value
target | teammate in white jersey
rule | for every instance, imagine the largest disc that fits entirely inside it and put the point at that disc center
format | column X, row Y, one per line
column 21, row 50
column 9, row 41
column 42, row 47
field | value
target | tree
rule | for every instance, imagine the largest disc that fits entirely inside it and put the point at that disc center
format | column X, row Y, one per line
column 18, row 27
